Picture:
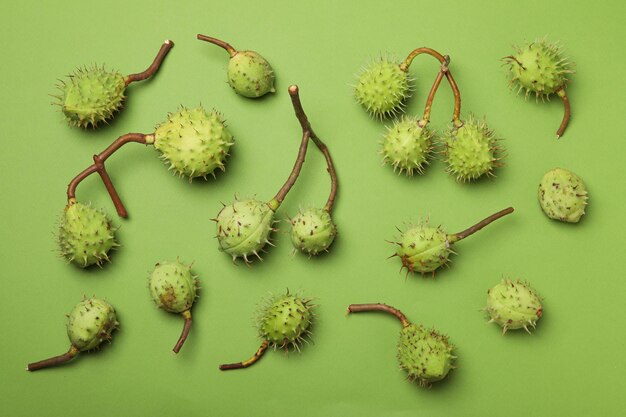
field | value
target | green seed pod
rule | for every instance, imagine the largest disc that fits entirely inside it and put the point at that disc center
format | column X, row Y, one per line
column 407, row 146
column 471, row 150
column 563, row 195
column 172, row 286
column 513, row 305
column 249, row 74
column 194, row 142
column 540, row 68
column 174, row 289
column 244, row 227
column 85, row 235
column 93, row 95
column 425, row 354
column 90, row 323
column 312, row 231
column 382, row 88
column 423, row 248
column 283, row 321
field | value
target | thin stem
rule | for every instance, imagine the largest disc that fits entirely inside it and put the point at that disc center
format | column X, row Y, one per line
column 240, row 365
column 154, row 67
column 294, row 92
column 98, row 166
column 282, row 193
column 561, row 92
column 54, row 361
column 231, row 51
column 433, row 90
column 117, row 201
column 358, row 308
column 455, row 88
column 470, row 231
column 187, row 315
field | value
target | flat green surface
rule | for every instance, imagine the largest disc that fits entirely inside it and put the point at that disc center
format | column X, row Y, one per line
column 572, row 365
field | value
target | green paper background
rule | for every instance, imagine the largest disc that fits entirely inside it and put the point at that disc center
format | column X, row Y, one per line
column 572, row 365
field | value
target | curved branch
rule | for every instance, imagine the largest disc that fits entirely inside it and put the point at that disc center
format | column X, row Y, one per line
column 291, row 180
column 54, row 361
column 240, row 365
column 154, row 67
column 294, row 92
column 358, row 308
column 183, row 336
column 433, row 90
column 563, row 95
column 455, row 88
column 470, row 231
column 231, row 51
column 98, row 166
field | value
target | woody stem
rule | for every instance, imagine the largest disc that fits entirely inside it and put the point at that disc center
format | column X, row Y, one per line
column 154, row 67
column 455, row 88
column 433, row 91
column 98, row 166
column 291, row 180
column 358, row 308
column 306, row 126
column 563, row 95
column 470, row 231
column 240, row 365
column 54, row 361
column 231, row 51
column 187, row 316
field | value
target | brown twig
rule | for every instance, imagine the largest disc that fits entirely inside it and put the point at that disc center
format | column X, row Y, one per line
column 291, row 180
column 231, row 51
column 240, row 365
column 154, row 67
column 54, row 361
column 561, row 93
column 433, row 91
column 294, row 92
column 455, row 88
column 183, row 336
column 98, row 166
column 358, row 308
column 470, row 231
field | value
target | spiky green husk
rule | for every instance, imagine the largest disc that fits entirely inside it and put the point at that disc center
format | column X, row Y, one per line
column 424, row 354
column 407, row 146
column 90, row 323
column 423, row 248
column 382, row 88
column 194, row 142
column 563, row 195
column 91, row 96
column 513, row 305
column 312, row 231
column 539, row 67
column 471, row 150
column 85, row 235
column 250, row 75
column 172, row 286
column 244, row 227
column 284, row 320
